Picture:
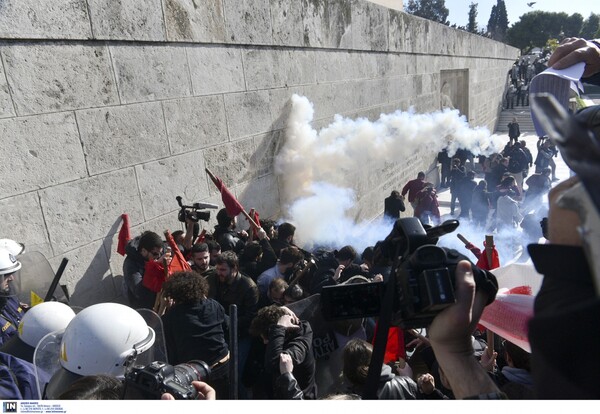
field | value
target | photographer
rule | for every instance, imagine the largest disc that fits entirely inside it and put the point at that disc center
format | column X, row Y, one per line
column 226, row 235
column 195, row 327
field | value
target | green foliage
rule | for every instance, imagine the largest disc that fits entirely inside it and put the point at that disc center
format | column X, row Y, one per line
column 535, row 28
column 552, row 44
column 498, row 22
column 429, row 9
column 472, row 25
column 591, row 27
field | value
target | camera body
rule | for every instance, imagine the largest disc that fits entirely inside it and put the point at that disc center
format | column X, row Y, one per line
column 194, row 212
column 157, row 378
column 422, row 277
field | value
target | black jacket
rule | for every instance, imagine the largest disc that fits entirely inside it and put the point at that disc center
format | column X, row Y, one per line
column 133, row 273
column 392, row 387
column 298, row 344
column 393, row 206
column 196, row 331
column 228, row 240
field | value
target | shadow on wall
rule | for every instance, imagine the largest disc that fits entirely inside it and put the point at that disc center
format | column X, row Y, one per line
column 98, row 284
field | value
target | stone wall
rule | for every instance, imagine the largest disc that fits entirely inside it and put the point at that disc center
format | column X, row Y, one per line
column 111, row 107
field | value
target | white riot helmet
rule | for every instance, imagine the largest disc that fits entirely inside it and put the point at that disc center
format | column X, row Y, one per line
column 8, row 262
column 102, row 339
column 12, row 246
column 39, row 321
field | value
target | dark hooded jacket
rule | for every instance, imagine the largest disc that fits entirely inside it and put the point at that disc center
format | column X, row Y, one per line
column 133, row 273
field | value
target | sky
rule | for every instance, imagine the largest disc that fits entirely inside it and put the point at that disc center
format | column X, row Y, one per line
column 459, row 9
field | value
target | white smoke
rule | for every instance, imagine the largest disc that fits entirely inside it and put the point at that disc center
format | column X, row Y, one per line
column 315, row 168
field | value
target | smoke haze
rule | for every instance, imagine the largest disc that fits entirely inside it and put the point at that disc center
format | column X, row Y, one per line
column 314, row 167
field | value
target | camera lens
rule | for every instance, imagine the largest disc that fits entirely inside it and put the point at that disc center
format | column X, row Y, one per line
column 192, row 371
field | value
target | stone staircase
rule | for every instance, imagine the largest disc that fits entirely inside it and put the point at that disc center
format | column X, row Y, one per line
column 523, row 115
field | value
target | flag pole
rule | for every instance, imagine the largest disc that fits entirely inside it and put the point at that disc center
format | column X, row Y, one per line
column 215, row 181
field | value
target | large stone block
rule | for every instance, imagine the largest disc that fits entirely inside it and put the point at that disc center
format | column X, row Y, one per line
column 149, row 73
column 287, row 17
column 248, row 21
column 121, row 136
column 216, row 69
column 280, row 104
column 370, row 24
column 261, row 194
column 87, row 275
column 266, row 148
column 270, row 68
column 127, row 19
column 232, row 163
column 34, row 19
column 44, row 150
column 327, row 24
column 83, row 211
column 397, row 31
column 195, row 123
column 247, row 113
column 196, row 21
column 160, row 182
column 22, row 220
column 58, row 77
column 7, row 108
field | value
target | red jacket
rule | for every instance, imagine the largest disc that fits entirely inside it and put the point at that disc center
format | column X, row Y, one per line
column 413, row 187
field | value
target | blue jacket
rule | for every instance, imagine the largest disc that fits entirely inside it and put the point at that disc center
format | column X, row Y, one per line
column 17, row 379
column 10, row 316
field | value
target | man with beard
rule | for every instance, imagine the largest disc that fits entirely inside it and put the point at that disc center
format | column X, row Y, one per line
column 200, row 259
column 11, row 310
column 229, row 286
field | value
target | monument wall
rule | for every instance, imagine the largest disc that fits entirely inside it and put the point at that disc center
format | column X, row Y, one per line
column 110, row 107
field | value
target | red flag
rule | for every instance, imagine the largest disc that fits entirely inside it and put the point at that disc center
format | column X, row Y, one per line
column 124, row 235
column 256, row 218
column 482, row 263
column 178, row 262
column 232, row 205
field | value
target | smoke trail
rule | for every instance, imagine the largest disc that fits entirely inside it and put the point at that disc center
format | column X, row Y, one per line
column 315, row 167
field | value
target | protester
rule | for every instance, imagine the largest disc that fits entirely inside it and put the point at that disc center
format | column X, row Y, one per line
column 393, row 205
column 413, row 187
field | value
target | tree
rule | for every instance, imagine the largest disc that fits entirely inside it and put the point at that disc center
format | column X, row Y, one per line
column 498, row 22
column 535, row 28
column 590, row 27
column 572, row 25
column 472, row 25
column 429, row 9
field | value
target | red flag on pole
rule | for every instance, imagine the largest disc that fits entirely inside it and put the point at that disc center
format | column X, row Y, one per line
column 232, row 205
column 124, row 235
column 178, row 262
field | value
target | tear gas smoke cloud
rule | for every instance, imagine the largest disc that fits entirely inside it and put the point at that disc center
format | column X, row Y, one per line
column 314, row 166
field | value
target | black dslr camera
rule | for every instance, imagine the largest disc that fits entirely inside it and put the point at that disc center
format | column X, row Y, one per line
column 194, row 212
column 422, row 276
column 157, row 378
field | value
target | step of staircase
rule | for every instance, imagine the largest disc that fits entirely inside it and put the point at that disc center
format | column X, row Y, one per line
column 523, row 115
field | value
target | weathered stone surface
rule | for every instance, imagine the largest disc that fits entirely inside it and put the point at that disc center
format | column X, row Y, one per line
column 127, row 19
column 192, row 20
column 231, row 163
column 216, row 69
column 161, row 181
column 336, row 65
column 22, row 220
column 149, row 73
column 195, row 123
column 261, row 194
column 272, row 68
column 266, row 148
column 87, row 275
column 287, row 21
column 370, row 26
column 281, row 105
column 83, row 211
column 247, row 113
column 34, row 19
column 415, row 34
column 6, row 105
column 327, row 24
column 396, row 31
column 248, row 21
column 121, row 136
column 58, row 77
column 39, row 151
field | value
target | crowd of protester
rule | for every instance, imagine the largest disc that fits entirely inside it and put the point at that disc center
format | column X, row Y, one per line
column 267, row 276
